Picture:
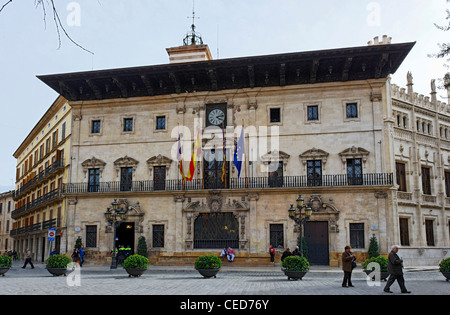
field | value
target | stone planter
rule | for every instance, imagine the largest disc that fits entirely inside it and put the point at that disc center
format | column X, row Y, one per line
column 56, row 272
column 3, row 270
column 135, row 272
column 383, row 275
column 208, row 273
column 446, row 274
column 294, row 275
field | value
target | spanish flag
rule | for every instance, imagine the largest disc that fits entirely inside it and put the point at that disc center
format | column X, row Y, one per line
column 196, row 153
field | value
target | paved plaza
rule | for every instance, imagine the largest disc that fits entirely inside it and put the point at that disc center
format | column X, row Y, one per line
column 166, row 280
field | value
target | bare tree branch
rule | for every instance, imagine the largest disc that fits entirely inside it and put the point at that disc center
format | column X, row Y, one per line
column 3, row 6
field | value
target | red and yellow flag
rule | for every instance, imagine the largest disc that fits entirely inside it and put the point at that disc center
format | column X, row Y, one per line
column 196, row 153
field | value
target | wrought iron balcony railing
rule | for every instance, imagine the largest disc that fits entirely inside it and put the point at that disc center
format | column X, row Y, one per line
column 343, row 180
column 38, row 227
column 37, row 203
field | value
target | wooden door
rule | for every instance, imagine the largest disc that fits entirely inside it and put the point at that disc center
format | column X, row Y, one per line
column 316, row 234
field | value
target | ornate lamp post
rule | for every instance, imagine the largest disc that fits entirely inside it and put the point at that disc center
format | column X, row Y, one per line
column 296, row 215
column 114, row 217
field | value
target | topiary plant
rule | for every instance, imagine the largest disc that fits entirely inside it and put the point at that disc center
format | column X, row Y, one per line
column 5, row 261
column 444, row 266
column 208, row 262
column 58, row 261
column 374, row 249
column 382, row 261
column 142, row 247
column 136, row 261
column 295, row 263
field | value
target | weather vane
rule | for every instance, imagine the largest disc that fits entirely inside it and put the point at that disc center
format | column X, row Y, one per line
column 192, row 37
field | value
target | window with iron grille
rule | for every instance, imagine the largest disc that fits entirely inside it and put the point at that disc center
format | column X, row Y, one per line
column 313, row 113
column 96, row 126
column 91, row 236
column 277, row 235
column 158, row 236
column 161, row 123
column 128, row 124
column 357, row 235
column 352, row 110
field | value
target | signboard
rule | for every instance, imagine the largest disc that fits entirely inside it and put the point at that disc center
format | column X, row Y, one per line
column 51, row 234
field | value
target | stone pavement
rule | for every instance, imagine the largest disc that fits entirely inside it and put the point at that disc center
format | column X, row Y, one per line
column 179, row 281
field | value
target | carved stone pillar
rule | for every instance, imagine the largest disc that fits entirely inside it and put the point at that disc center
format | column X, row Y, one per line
column 253, row 235
column 177, row 225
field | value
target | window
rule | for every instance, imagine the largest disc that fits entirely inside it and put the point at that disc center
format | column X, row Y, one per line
column 55, row 139
column 447, row 184
column 404, row 232
column 276, row 176
column 352, row 110
column 354, row 172
column 357, row 235
column 94, row 179
column 63, row 131
column 161, row 123
column 277, row 235
column 314, row 173
column 159, row 177
column 158, row 236
column 429, row 230
column 126, row 178
column 96, row 126
column 313, row 113
column 275, row 115
column 401, row 176
column 128, row 124
column 426, row 181
column 91, row 236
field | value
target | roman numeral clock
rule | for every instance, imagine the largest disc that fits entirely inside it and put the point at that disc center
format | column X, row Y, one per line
column 216, row 115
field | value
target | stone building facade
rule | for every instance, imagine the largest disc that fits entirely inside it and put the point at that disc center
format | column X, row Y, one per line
column 6, row 206
column 316, row 124
column 422, row 158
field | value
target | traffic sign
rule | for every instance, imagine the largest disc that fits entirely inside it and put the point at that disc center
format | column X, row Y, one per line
column 51, row 234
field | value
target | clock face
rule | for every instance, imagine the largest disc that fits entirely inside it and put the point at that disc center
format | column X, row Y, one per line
column 216, row 117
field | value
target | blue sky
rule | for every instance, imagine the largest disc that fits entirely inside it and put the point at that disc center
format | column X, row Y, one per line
column 133, row 33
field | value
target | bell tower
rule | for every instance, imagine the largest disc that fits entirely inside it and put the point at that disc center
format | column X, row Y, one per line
column 193, row 48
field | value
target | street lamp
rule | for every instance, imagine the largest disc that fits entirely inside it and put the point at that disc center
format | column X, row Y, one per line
column 295, row 214
column 114, row 216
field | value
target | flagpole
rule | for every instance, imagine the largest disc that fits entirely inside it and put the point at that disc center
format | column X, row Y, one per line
column 245, row 155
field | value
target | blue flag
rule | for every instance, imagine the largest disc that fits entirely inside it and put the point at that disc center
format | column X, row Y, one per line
column 239, row 152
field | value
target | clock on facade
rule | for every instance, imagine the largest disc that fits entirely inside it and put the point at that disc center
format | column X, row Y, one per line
column 216, row 115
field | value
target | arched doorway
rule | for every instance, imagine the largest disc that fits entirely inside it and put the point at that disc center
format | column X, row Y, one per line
column 216, row 230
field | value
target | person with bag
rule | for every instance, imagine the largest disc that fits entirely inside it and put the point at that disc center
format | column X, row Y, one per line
column 348, row 264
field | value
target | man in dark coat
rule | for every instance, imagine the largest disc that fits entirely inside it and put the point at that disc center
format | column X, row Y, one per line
column 395, row 270
column 347, row 259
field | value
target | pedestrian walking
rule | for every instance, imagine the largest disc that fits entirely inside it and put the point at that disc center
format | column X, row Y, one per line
column 82, row 253
column 395, row 270
column 272, row 254
column 348, row 259
column 75, row 255
column 28, row 256
column 286, row 253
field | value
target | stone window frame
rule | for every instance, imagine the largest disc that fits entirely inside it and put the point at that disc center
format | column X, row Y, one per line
column 314, row 154
column 319, row 112
column 93, row 163
column 275, row 106
column 159, row 160
column 125, row 161
column 155, row 122
column 285, row 224
column 411, row 222
column 122, row 124
column 358, row 107
column 91, row 120
column 354, row 153
column 83, row 231
column 366, row 233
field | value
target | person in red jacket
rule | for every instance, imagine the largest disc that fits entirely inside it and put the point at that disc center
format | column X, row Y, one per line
column 272, row 254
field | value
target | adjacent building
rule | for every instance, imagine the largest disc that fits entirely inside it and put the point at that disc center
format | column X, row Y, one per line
column 6, row 206
column 43, row 164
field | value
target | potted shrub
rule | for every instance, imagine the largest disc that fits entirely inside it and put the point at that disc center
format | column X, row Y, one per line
column 208, row 265
column 295, row 267
column 57, row 265
column 444, row 268
column 5, row 264
column 382, row 261
column 135, row 265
